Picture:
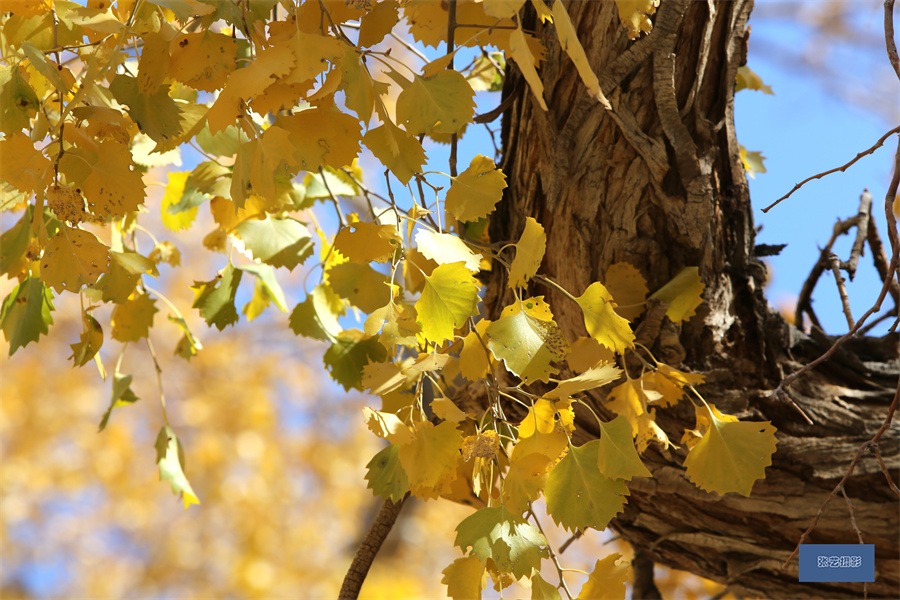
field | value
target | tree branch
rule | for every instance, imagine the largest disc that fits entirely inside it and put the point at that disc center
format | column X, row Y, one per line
column 369, row 547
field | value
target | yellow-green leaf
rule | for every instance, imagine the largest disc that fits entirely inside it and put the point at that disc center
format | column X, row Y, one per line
column 578, row 495
column 442, row 103
column 527, row 341
column 731, row 455
column 464, row 578
column 516, row 547
column 682, row 294
column 89, row 343
column 529, row 254
column 448, row 299
column 361, row 285
column 396, row 149
column 617, row 457
column 25, row 315
column 524, row 481
column 543, row 590
column 215, row 298
column 601, row 320
column 350, row 352
column 170, row 458
column 366, row 242
column 73, row 258
column 476, row 191
column 122, row 395
column 176, row 221
column 133, row 319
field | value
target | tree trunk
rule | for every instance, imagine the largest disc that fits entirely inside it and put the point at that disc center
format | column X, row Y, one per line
column 659, row 184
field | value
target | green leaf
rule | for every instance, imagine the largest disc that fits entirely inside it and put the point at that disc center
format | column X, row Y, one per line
column 448, row 299
column 515, row 546
column 156, row 115
column 317, row 316
column 122, row 395
column 601, row 320
column 25, row 314
column 439, row 104
column 334, row 182
column 578, row 495
column 617, row 457
column 90, row 342
column 731, row 455
column 222, row 143
column 188, row 346
column 14, row 243
column 385, row 475
column 267, row 290
column 215, row 298
column 170, row 458
column 278, row 242
column 526, row 340
column 349, row 354
column 476, row 191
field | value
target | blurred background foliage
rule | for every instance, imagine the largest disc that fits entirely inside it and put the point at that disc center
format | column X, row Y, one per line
column 275, row 451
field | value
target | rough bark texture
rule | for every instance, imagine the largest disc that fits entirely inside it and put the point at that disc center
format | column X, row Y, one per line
column 660, row 184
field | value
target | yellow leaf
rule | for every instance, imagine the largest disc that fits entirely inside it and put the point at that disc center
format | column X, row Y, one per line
column 448, row 299
column 322, row 136
column 396, row 149
column 629, row 289
column 358, row 85
column 475, row 358
column 669, row 383
column 73, row 258
column 366, row 242
column 649, row 431
column 27, row 8
column 444, row 248
column 731, row 455
column 753, row 162
column 529, row 254
column 429, row 460
column 415, row 268
column 361, row 285
column 202, row 61
column 131, row 321
column 23, row 166
column 524, row 481
column 596, row 376
column 601, row 320
column 464, row 578
column 272, row 158
column 247, row 83
column 541, row 418
column 747, row 79
column 502, row 9
column 608, row 579
column 635, row 15
column 313, row 52
column 568, row 39
column 440, row 104
column 476, row 191
column 627, row 400
column 586, row 352
column 108, row 178
column 377, row 23
column 484, row 445
column 445, row 409
column 521, row 53
column 388, row 426
column 153, row 66
column 682, row 294
column 543, row 11
column 176, row 221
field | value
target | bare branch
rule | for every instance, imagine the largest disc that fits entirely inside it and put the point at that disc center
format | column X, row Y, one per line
column 862, row 227
column 842, row 168
column 365, row 554
column 889, row 36
column 835, row 265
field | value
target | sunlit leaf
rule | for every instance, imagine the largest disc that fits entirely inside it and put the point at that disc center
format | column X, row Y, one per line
column 526, row 340
column 494, row 533
column 617, row 456
column 73, row 258
column 170, row 458
column 444, row 248
column 464, row 578
column 608, row 579
column 476, row 191
column 529, row 253
column 429, row 460
column 448, row 299
column 682, row 294
column 215, row 298
column 601, row 320
column 442, row 103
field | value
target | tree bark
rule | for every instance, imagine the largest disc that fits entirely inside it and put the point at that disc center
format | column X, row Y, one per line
column 659, row 183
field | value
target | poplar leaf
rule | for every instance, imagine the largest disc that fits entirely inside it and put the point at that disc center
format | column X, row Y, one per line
column 442, row 103
column 26, row 313
column 107, row 177
column 322, row 136
column 202, row 60
column 429, row 460
column 526, row 341
column 464, row 578
column 597, row 376
column 153, row 64
column 731, row 455
column 361, row 285
column 669, row 383
column 515, row 547
column 448, row 299
column 682, row 294
column 445, row 409
column 73, row 258
column 524, row 481
column 542, row 590
column 629, row 289
column 444, row 248
column 170, row 458
column 89, row 343
column 578, row 495
column 280, row 242
column 365, row 242
column 387, row 425
column 635, row 16
column 188, row 346
column 14, row 243
column 317, row 316
column 627, row 400
column 122, row 395
column 131, row 320
column 173, row 196
column 608, row 579
column 754, row 162
column 265, row 291
column 617, row 457
column 586, row 352
column 601, row 320
column 476, row 191
column 747, row 79
column 385, row 475
column 350, row 352
column 529, row 254
column 544, row 416
column 125, row 271
column 156, row 114
column 23, row 166
column 521, row 54
column 18, row 101
column 215, row 298
column 568, row 39
column 377, row 23
column 475, row 357
column 396, row 149
column 359, row 86
column 503, row 9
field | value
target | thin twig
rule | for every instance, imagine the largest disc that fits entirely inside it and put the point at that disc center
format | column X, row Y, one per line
column 887, row 474
column 842, row 168
column 889, row 36
column 862, row 227
column 451, row 47
column 879, row 258
column 804, row 301
column 835, row 264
